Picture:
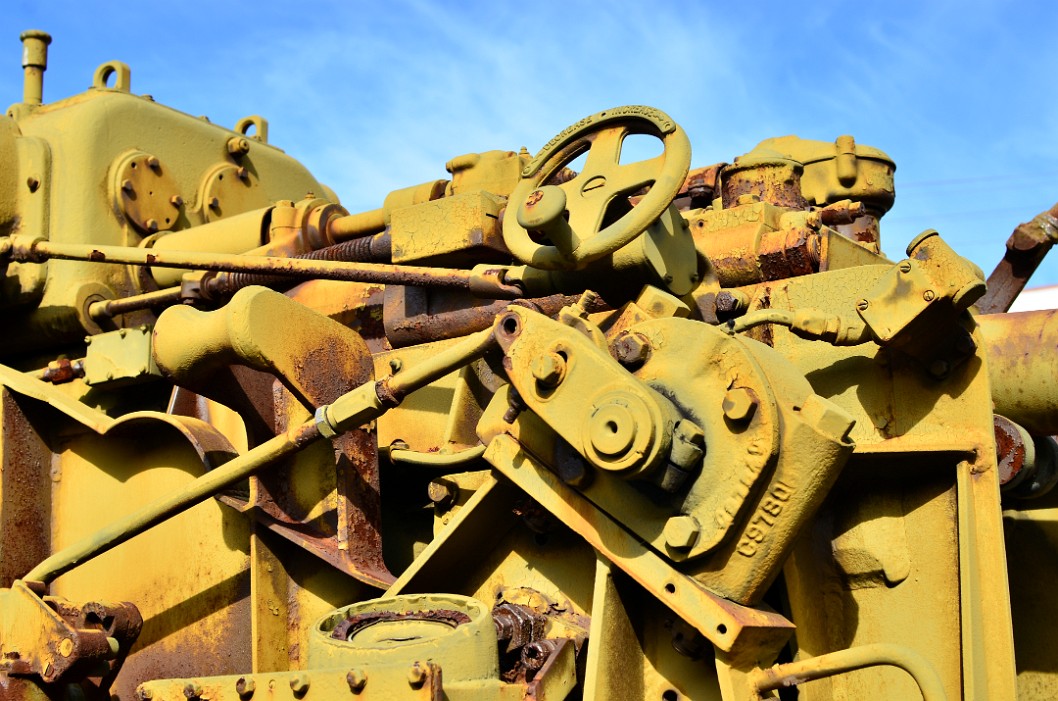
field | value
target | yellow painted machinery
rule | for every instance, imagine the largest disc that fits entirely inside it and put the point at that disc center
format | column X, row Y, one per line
column 626, row 431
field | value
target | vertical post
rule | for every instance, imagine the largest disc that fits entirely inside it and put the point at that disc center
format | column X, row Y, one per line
column 34, row 63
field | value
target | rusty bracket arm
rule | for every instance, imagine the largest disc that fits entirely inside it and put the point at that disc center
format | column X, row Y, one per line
column 1026, row 249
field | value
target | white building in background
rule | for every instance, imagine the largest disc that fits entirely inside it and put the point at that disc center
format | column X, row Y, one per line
column 1036, row 298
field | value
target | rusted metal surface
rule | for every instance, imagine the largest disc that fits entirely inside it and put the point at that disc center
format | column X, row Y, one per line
column 414, row 316
column 1025, row 250
column 38, row 250
column 1010, row 449
column 373, row 249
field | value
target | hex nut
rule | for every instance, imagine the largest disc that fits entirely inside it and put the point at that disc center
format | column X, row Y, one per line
column 681, row 532
column 548, row 368
column 739, row 404
column 416, row 675
column 631, row 349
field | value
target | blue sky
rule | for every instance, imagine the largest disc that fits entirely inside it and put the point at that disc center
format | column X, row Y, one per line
column 373, row 96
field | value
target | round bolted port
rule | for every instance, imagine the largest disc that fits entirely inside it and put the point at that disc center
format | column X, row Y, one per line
column 548, row 369
column 739, row 404
column 612, row 430
column 681, row 532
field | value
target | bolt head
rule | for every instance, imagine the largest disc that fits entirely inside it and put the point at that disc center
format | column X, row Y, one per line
column 152, row 162
column 416, row 675
column 681, row 532
column 245, row 687
column 739, row 404
column 442, row 494
column 862, row 305
column 548, row 368
column 126, row 185
column 214, row 203
column 631, row 349
column 299, row 683
column 151, row 225
column 177, row 201
column 357, row 680
column 905, row 266
column 929, row 295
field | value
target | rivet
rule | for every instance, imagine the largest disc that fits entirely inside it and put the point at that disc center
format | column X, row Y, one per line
column 245, row 687
column 299, row 684
column 356, row 680
column 416, row 675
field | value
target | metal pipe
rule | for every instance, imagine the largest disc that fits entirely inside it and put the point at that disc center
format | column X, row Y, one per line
column 39, row 250
column 842, row 661
column 1022, row 353
column 34, row 63
column 357, row 225
column 109, row 308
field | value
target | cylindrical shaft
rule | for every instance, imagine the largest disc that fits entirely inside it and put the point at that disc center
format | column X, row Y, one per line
column 34, row 63
column 1022, row 355
column 39, row 250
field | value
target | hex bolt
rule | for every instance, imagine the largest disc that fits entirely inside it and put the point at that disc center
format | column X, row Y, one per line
column 193, row 690
column 548, row 368
column 126, row 185
column 356, row 679
column 177, row 201
column 416, row 675
column 690, row 432
column 245, row 687
column 442, row 493
column 631, row 349
column 238, row 145
column 299, row 684
column 681, row 532
column 739, row 404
